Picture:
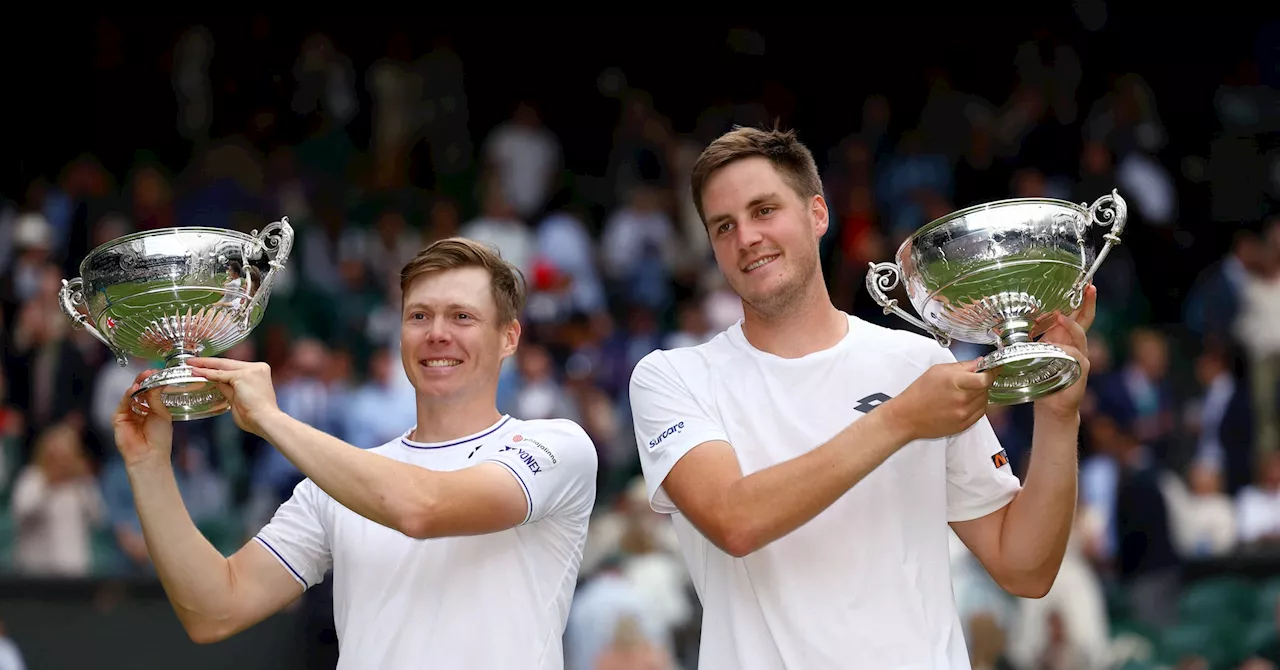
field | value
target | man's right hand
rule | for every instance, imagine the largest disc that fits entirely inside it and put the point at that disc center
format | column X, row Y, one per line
column 143, row 438
column 947, row 399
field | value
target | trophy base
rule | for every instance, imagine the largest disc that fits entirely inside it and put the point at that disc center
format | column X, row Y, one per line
column 1029, row 371
column 187, row 396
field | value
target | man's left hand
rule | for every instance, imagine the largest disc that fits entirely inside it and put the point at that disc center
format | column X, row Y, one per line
column 247, row 387
column 1069, row 333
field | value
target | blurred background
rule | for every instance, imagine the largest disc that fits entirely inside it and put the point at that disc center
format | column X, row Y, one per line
column 568, row 144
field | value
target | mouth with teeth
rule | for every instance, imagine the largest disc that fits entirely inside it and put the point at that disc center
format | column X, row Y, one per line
column 440, row 363
column 759, row 263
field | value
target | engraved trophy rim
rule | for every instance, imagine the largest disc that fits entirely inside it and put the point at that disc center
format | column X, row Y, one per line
column 86, row 263
column 950, row 217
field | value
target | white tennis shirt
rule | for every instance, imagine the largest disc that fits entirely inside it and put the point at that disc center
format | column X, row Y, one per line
column 867, row 582
column 499, row 600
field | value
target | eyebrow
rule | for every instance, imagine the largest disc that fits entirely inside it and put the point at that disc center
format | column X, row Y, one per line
column 755, row 202
column 453, row 306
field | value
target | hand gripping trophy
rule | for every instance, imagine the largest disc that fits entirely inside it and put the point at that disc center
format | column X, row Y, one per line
column 176, row 293
column 999, row 273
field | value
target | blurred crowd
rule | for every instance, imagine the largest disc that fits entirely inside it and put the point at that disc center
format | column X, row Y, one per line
column 1181, row 435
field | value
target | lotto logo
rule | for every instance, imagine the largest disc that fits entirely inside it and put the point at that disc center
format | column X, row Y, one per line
column 1000, row 458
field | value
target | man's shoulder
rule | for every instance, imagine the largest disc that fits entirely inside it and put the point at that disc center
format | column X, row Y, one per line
column 555, row 439
column 691, row 357
column 564, row 428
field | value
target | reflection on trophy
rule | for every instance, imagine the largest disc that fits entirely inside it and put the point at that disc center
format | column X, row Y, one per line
column 999, row 274
column 178, row 293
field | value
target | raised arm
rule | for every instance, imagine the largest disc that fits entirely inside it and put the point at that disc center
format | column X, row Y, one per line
column 498, row 494
column 418, row 502
column 214, row 596
column 1023, row 543
column 699, row 470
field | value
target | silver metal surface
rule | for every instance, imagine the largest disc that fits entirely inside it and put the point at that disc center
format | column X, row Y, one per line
column 177, row 293
column 999, row 274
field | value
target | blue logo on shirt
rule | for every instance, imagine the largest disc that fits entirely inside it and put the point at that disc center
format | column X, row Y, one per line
column 677, row 428
column 527, row 458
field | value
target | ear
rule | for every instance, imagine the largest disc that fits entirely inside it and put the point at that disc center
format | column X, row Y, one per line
column 821, row 215
column 511, row 338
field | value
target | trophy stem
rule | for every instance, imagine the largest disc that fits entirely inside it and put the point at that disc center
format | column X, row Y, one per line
column 1013, row 331
column 179, row 358
column 187, row 395
column 1027, row 370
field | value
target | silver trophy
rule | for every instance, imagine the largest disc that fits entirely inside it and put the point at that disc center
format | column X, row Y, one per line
column 999, row 274
column 177, row 293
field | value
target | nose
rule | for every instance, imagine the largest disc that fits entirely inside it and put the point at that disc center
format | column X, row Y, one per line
column 438, row 330
column 748, row 233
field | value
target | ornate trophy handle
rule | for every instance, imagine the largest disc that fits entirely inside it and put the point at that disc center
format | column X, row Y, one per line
column 276, row 240
column 1115, row 217
column 71, row 297
column 883, row 277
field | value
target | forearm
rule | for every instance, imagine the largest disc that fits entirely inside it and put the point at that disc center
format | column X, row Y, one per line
column 195, row 575
column 1033, row 537
column 771, row 503
column 380, row 489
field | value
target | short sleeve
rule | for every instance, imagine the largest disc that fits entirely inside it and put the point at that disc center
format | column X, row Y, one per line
column 555, row 463
column 979, row 477
column 297, row 537
column 669, row 422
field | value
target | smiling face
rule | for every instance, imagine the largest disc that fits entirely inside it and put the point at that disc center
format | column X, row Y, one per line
column 765, row 236
column 452, row 339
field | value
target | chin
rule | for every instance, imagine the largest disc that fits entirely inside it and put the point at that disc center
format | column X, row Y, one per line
column 434, row 388
column 764, row 286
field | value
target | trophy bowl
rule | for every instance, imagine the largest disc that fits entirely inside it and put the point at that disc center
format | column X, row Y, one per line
column 999, row 274
column 177, row 293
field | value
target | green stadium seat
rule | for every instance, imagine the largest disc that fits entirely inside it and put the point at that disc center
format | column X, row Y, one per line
column 1258, row 635
column 1224, row 600
column 8, row 536
column 1266, row 600
column 1135, row 664
column 1193, row 639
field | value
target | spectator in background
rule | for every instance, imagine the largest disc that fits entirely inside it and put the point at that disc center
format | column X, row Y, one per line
column 377, row 411
column 524, row 156
column 609, row 618
column 57, row 506
column 1258, row 507
column 1220, row 420
column 1203, row 517
column 1147, row 563
column 1258, row 328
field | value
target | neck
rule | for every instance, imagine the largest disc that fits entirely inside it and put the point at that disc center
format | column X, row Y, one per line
column 811, row 324
column 444, row 419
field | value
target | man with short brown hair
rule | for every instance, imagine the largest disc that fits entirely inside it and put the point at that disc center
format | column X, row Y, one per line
column 455, row 546
column 812, row 461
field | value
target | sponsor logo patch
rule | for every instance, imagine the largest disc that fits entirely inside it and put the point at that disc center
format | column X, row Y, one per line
column 675, row 429
column 533, row 453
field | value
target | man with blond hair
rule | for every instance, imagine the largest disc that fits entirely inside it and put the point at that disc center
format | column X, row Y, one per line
column 456, row 545
column 812, row 461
